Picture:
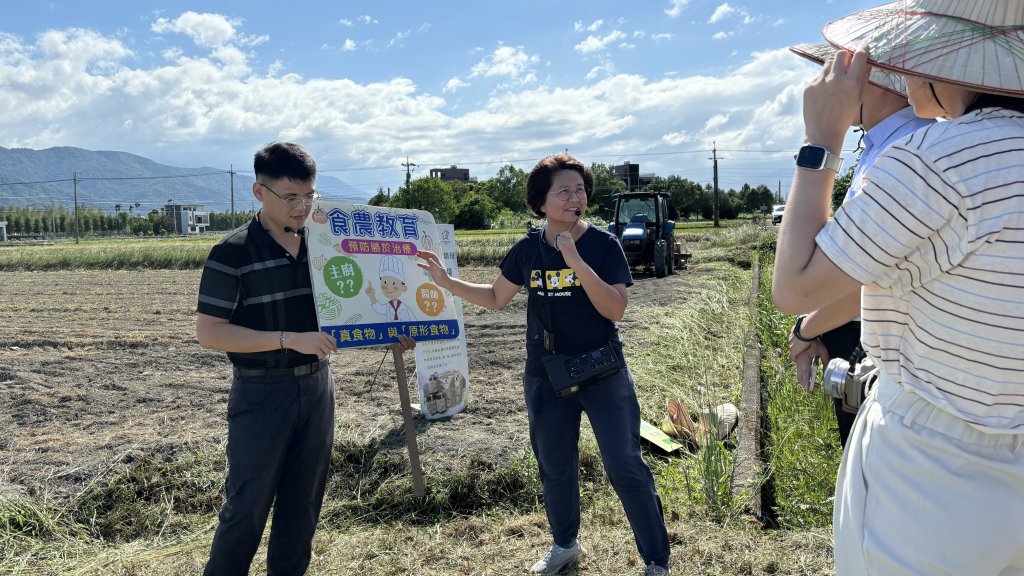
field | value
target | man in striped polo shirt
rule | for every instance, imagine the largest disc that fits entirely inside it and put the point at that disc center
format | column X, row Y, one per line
column 256, row 304
column 833, row 331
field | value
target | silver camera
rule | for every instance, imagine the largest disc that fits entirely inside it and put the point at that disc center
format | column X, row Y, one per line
column 850, row 380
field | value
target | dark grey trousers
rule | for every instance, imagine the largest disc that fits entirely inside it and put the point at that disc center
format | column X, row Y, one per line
column 614, row 415
column 280, row 435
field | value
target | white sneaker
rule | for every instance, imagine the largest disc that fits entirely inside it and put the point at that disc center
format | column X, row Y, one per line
column 655, row 570
column 556, row 558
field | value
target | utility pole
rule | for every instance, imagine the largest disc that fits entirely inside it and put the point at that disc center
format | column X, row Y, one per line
column 408, row 168
column 74, row 179
column 231, row 171
column 714, row 158
column 778, row 196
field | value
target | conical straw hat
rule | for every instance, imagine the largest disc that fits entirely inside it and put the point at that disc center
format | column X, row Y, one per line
column 978, row 44
column 884, row 79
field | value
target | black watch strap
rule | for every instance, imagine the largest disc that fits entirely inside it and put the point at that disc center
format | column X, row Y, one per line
column 796, row 330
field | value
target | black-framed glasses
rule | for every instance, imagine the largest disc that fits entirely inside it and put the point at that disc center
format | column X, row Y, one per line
column 563, row 193
column 293, row 201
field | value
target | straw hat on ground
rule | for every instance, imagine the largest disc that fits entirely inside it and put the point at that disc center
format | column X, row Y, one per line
column 975, row 44
column 884, row 79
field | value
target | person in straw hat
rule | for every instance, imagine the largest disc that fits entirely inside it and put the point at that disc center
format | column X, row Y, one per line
column 932, row 479
column 833, row 331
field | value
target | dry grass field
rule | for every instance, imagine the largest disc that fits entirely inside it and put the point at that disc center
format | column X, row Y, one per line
column 100, row 370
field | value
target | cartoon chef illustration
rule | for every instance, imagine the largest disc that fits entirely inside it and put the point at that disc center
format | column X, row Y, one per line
column 392, row 284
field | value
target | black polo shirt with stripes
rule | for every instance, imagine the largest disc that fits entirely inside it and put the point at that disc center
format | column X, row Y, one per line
column 252, row 281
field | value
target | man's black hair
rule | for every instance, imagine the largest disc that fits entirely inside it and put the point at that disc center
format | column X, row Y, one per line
column 284, row 160
column 985, row 100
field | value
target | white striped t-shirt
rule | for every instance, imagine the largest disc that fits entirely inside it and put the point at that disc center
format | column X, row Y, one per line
column 937, row 237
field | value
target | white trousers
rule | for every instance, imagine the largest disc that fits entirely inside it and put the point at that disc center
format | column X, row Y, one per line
column 921, row 492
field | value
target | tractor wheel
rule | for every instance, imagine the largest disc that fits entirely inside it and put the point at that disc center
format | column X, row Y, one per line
column 660, row 253
column 670, row 255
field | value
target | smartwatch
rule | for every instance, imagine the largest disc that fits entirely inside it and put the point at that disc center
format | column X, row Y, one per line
column 796, row 330
column 817, row 158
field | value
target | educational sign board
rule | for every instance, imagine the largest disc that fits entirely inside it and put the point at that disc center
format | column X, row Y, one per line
column 367, row 286
column 442, row 367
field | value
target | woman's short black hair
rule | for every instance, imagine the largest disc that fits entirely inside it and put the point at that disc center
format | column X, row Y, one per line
column 538, row 183
column 284, row 160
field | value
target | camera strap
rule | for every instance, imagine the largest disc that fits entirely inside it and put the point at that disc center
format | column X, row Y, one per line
column 547, row 336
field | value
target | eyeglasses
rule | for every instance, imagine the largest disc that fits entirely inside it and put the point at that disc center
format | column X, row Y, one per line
column 564, row 193
column 293, row 201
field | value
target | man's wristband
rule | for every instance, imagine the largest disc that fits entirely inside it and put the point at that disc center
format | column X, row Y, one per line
column 281, row 339
column 796, row 330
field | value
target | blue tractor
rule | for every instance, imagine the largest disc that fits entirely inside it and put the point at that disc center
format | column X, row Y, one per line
column 644, row 223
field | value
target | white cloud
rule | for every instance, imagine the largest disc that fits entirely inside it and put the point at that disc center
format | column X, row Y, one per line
column 349, row 45
column 715, row 122
column 677, row 138
column 508, row 61
column 663, row 37
column 721, row 35
column 676, row 7
column 345, row 22
column 726, row 11
column 580, row 26
column 606, row 68
column 367, row 19
column 722, row 12
column 399, row 39
column 454, row 84
column 638, row 34
column 206, row 30
column 79, row 88
column 594, row 44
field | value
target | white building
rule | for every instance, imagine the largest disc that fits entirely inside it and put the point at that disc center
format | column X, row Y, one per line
column 188, row 218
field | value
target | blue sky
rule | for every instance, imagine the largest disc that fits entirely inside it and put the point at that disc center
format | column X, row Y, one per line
column 366, row 85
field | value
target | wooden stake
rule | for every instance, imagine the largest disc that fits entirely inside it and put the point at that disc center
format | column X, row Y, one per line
column 410, row 428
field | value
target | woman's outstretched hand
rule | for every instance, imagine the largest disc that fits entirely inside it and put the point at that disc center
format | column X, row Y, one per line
column 433, row 265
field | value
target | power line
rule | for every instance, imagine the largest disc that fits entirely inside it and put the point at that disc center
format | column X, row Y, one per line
column 98, row 178
column 37, row 182
column 599, row 155
column 154, row 177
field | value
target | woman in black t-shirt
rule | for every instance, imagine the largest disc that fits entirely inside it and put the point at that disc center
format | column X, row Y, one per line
column 576, row 277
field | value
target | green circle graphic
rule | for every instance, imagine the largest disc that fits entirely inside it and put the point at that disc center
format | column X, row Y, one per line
column 343, row 276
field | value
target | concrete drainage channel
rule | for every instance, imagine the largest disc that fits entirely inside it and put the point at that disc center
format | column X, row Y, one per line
column 751, row 486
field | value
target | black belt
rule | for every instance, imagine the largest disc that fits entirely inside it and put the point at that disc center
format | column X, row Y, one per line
column 300, row 370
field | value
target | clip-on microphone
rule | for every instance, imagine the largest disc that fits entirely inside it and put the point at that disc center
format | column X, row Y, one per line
column 578, row 214
column 299, row 232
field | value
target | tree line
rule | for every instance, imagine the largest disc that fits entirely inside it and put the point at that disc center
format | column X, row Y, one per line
column 498, row 202
column 480, row 205
column 59, row 220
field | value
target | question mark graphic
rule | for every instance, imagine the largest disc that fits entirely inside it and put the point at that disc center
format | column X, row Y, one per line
column 349, row 280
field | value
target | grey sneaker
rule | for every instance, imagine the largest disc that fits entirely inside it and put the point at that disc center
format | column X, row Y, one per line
column 556, row 558
column 655, row 570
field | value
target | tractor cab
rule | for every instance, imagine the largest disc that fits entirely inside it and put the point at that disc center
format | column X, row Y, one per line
column 644, row 224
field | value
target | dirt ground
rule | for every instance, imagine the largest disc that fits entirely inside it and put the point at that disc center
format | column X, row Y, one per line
column 99, row 365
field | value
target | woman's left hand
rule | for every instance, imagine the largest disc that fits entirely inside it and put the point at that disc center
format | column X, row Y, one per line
column 832, row 100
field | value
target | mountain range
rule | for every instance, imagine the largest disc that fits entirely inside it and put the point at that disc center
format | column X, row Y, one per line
column 102, row 179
